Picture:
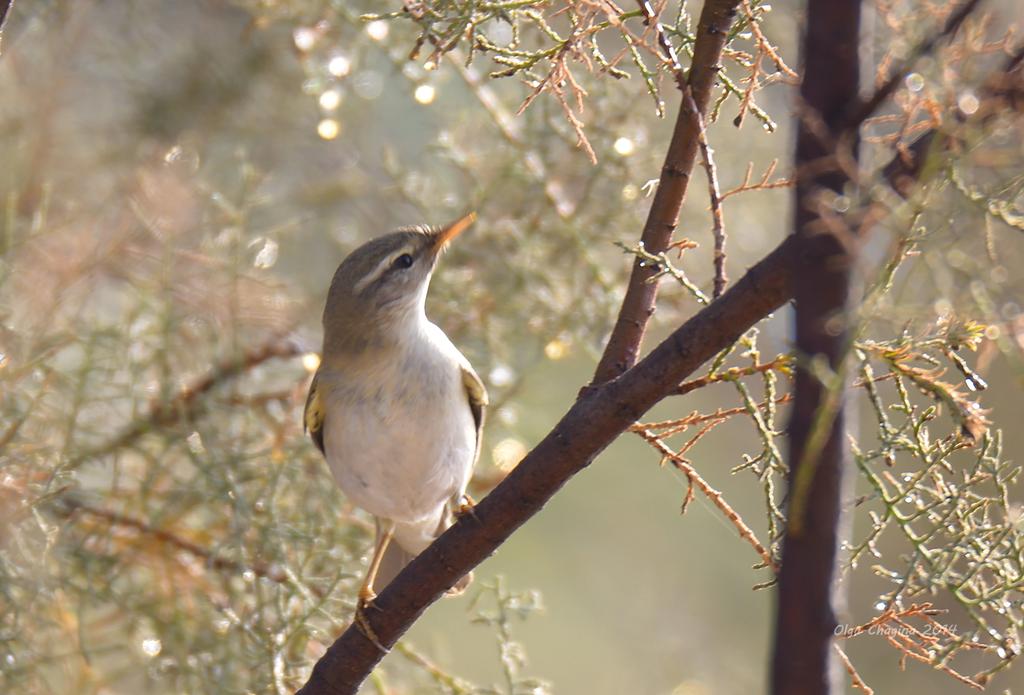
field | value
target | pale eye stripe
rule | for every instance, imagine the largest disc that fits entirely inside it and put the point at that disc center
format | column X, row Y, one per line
column 379, row 270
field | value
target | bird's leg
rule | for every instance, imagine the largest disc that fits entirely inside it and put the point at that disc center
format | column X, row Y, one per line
column 385, row 531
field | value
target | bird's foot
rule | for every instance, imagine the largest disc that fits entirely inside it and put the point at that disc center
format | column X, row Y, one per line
column 460, row 586
column 466, row 508
column 366, row 601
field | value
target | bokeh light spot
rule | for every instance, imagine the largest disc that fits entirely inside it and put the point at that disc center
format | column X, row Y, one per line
column 624, row 146
column 328, row 129
column 425, row 94
column 377, row 30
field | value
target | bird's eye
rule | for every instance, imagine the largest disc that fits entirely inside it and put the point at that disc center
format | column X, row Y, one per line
column 403, row 261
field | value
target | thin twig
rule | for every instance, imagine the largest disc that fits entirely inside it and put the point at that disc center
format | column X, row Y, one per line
column 507, row 126
column 663, row 266
column 762, row 185
column 69, row 507
column 886, row 90
column 763, row 44
column 781, row 363
column 412, row 654
column 855, row 680
column 1003, row 90
column 651, row 20
column 677, row 425
column 183, row 406
column 910, row 641
column 715, row 196
column 712, row 494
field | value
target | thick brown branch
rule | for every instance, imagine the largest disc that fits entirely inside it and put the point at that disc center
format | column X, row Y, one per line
column 638, row 305
column 592, row 423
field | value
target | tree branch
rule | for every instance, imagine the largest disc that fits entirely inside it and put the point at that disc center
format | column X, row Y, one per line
column 641, row 294
column 1005, row 90
column 70, row 506
column 717, row 214
column 184, row 405
column 881, row 95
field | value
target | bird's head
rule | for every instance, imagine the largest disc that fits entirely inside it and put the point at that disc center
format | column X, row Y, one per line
column 382, row 285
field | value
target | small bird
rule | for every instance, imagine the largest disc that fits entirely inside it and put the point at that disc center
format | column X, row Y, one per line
column 394, row 407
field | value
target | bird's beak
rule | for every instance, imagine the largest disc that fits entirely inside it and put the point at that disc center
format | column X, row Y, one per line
column 452, row 230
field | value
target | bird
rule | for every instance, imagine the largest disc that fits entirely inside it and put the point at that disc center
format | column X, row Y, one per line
column 394, row 407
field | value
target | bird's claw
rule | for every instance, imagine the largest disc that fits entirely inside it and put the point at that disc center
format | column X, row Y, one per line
column 466, row 508
column 366, row 600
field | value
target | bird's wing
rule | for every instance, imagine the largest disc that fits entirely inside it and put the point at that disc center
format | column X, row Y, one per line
column 313, row 416
column 477, row 395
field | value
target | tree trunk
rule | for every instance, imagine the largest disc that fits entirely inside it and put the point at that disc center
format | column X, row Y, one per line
column 825, row 248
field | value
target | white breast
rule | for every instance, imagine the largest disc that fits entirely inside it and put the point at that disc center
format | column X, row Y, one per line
column 400, row 440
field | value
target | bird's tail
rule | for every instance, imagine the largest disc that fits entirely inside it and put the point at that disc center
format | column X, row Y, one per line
column 397, row 556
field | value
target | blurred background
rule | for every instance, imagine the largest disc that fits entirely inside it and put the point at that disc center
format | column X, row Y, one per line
column 179, row 182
